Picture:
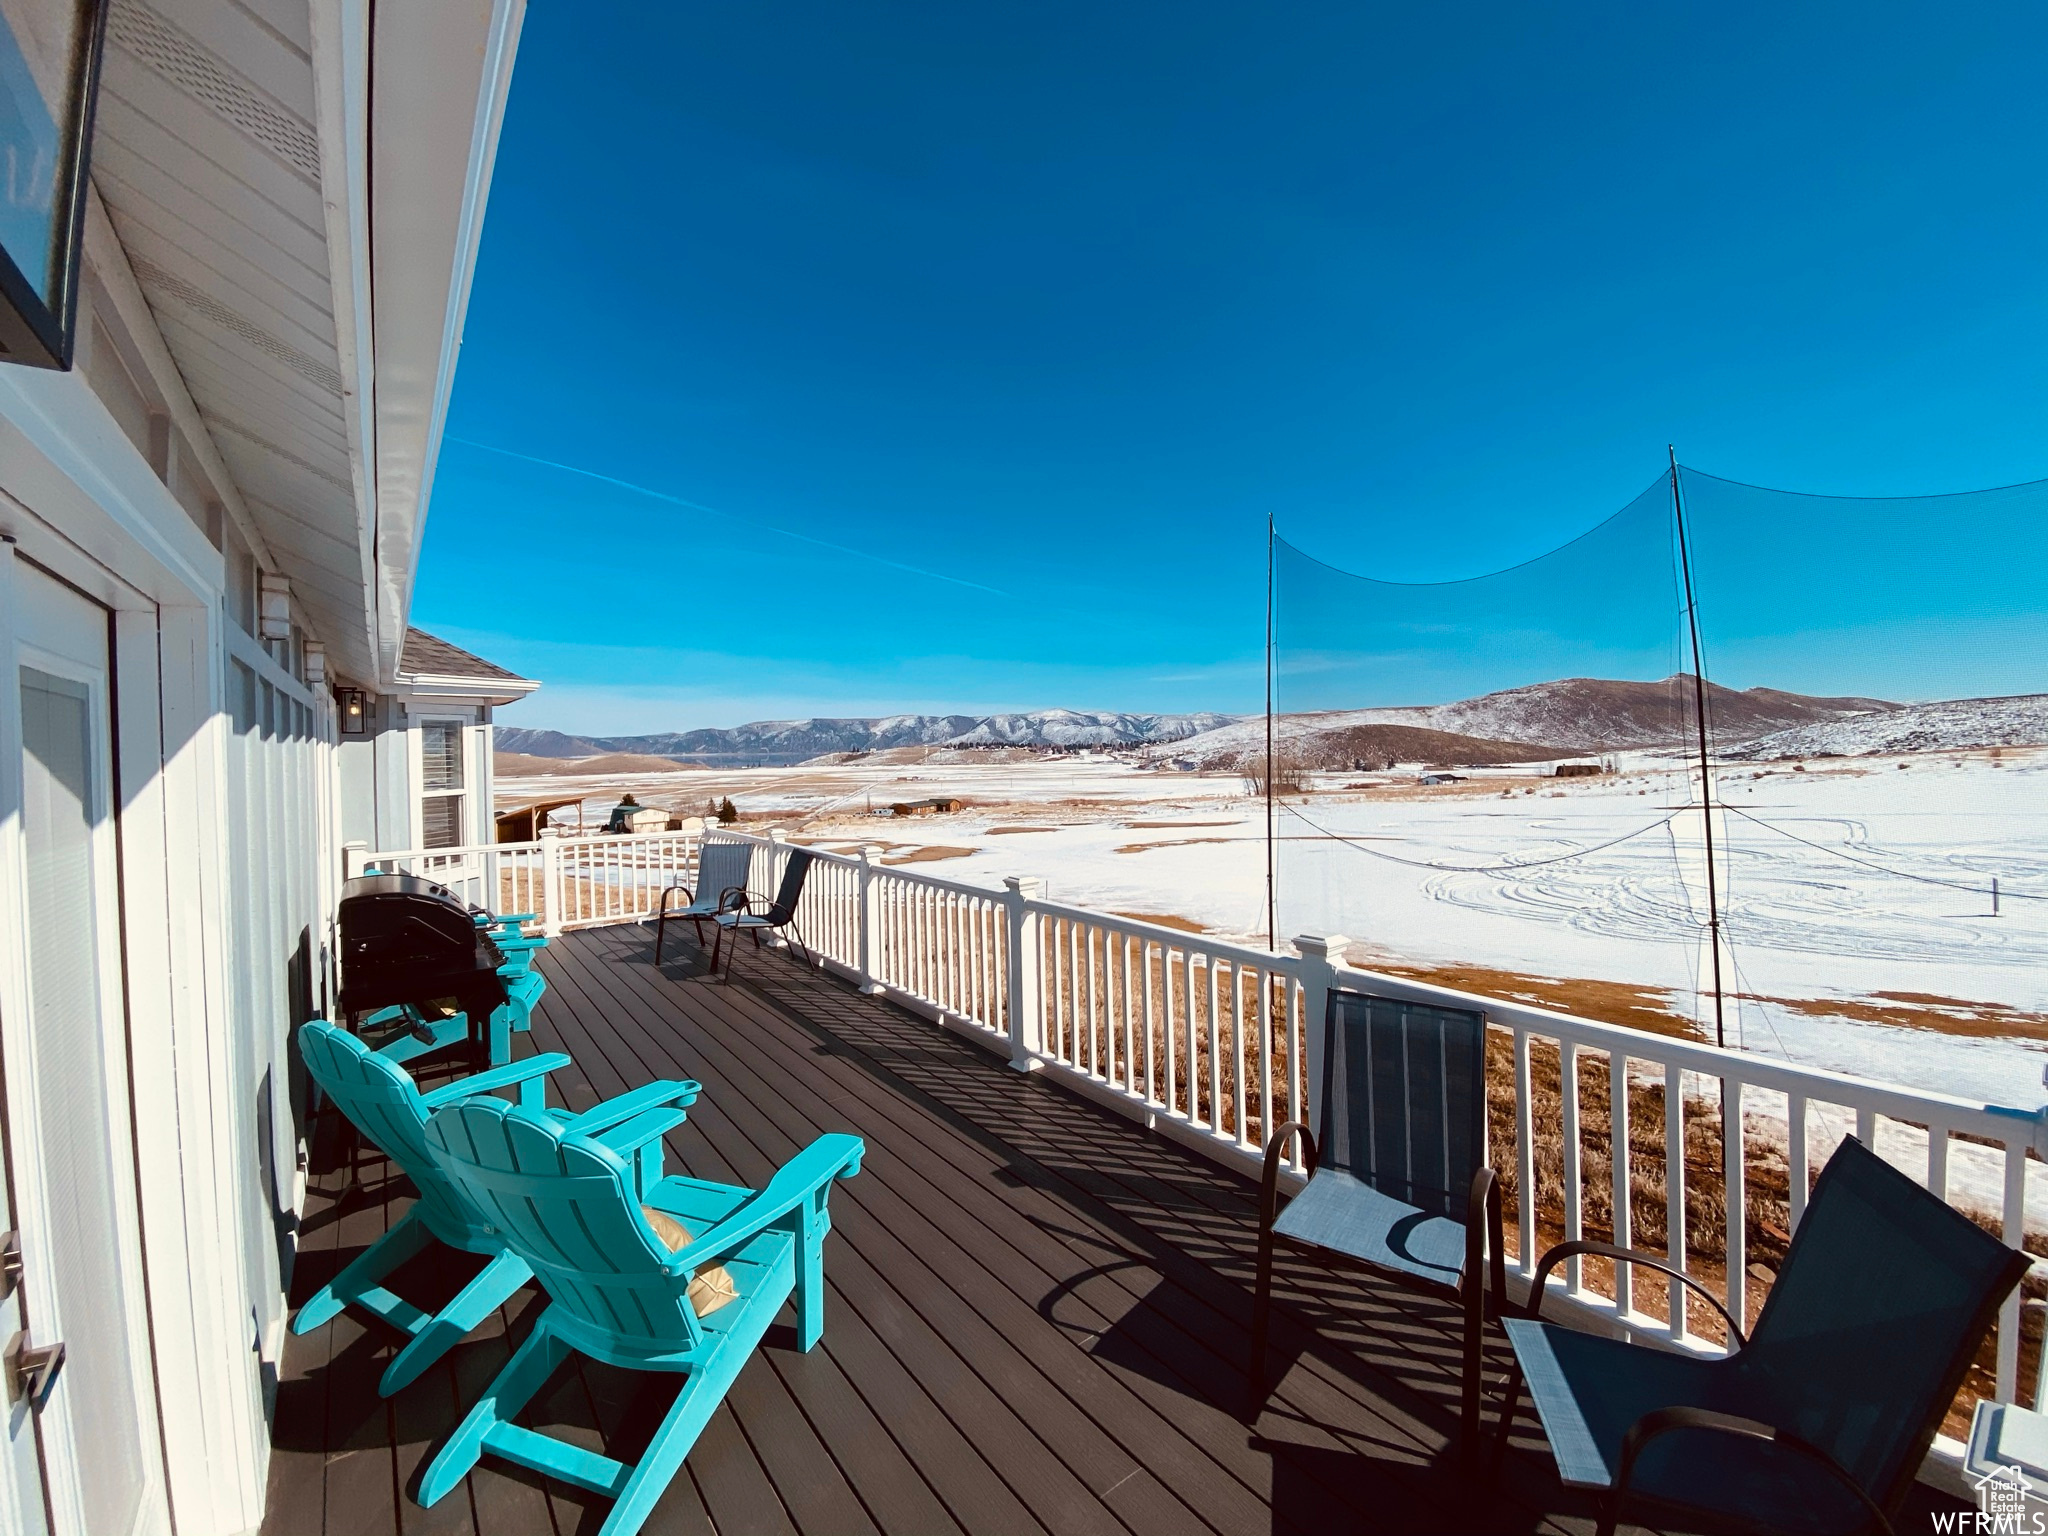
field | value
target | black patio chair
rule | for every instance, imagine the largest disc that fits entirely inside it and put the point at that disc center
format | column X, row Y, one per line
column 1821, row 1417
column 721, row 884
column 781, row 913
column 1399, row 1180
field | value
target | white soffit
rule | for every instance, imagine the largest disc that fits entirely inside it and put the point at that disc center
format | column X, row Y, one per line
column 441, row 73
column 305, row 240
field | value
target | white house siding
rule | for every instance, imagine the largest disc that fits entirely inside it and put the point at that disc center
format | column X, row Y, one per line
column 227, row 858
column 225, row 772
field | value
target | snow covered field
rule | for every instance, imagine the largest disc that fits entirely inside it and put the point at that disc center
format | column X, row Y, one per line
column 1856, row 890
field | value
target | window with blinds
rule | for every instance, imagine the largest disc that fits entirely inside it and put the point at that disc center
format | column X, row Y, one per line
column 441, row 785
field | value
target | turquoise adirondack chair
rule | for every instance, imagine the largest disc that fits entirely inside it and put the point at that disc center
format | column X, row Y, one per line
column 621, row 1292
column 381, row 1100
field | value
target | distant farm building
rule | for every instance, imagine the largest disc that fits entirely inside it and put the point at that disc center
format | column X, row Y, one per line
column 1579, row 770
column 629, row 815
column 938, row 805
column 1442, row 778
column 523, row 825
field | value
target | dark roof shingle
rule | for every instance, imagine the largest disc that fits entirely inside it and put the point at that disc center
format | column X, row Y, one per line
column 431, row 656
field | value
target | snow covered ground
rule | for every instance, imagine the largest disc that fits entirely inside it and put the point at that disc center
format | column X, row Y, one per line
column 1856, row 891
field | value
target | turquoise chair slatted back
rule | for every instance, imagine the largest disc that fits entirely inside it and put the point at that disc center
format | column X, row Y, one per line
column 564, row 1203
column 1404, row 1099
column 380, row 1099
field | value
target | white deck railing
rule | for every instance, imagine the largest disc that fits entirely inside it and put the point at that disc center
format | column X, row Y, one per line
column 1208, row 1043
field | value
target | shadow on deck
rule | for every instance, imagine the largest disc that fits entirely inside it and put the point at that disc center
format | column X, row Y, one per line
column 1037, row 1318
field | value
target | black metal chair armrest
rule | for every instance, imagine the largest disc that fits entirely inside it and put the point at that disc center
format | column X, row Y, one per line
column 727, row 902
column 1276, row 1149
column 670, row 890
column 1661, row 1421
column 1483, row 1217
column 1562, row 1251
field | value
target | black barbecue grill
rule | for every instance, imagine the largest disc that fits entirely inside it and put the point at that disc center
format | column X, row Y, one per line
column 408, row 940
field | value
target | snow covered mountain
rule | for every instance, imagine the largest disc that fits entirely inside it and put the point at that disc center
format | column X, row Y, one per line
column 1952, row 725
column 795, row 741
column 1570, row 716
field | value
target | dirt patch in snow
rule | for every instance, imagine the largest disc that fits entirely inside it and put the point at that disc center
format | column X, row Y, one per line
column 1921, row 1010
column 931, row 855
column 1609, row 1002
column 1171, row 920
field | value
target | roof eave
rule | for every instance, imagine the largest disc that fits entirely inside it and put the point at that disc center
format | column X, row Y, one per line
column 489, row 690
column 441, row 75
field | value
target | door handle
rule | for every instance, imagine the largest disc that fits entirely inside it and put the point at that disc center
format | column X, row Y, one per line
column 31, row 1369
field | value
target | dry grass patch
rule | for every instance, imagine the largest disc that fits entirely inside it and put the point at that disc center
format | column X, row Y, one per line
column 1922, row 1010
column 1608, row 1002
column 1171, row 920
column 930, row 854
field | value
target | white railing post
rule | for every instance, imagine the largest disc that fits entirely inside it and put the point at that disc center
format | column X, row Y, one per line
column 868, row 938
column 353, row 857
column 1026, row 1005
column 1320, row 957
column 550, row 881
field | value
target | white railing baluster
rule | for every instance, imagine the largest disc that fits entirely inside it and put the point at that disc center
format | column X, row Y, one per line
column 2015, row 1223
column 1795, row 1159
column 1213, row 1035
column 1674, row 1191
column 1525, row 1158
column 1622, row 1185
column 1265, row 1028
column 1130, row 1078
column 1088, row 961
column 1733, row 1190
column 1568, row 1097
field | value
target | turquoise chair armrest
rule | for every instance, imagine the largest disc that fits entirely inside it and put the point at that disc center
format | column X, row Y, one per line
column 629, row 1137
column 524, row 1074
column 627, row 1105
column 827, row 1158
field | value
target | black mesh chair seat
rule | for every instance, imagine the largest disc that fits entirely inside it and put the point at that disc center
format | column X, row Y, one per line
column 1398, row 1177
column 1348, row 1216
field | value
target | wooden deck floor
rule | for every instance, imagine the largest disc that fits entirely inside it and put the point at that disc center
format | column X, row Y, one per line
column 1037, row 1314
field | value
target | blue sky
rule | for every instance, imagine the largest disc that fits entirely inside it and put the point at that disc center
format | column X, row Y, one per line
column 971, row 346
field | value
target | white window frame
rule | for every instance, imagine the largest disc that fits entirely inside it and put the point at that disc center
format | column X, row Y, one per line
column 465, row 725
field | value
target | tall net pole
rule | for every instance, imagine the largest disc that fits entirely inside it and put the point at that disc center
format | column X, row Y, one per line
column 1272, row 908
column 1699, row 703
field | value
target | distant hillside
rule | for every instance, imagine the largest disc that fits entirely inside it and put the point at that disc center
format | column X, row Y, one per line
column 794, row 741
column 1572, row 716
column 1950, row 726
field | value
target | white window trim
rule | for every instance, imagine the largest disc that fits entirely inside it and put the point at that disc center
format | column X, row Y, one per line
column 465, row 723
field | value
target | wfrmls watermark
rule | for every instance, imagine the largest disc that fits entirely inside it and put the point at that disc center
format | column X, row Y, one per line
column 2002, row 1508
